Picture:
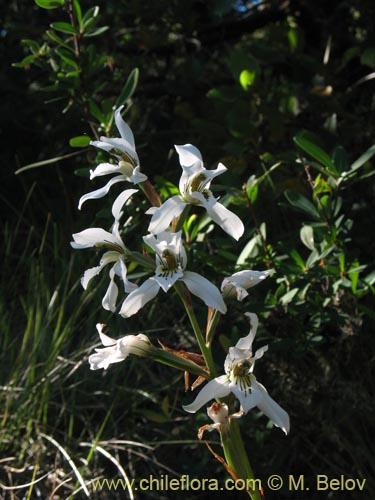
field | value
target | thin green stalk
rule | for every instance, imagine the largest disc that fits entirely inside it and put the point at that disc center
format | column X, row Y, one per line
column 205, row 350
column 211, row 328
column 237, row 459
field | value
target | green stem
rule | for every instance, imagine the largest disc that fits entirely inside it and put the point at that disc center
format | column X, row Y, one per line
column 205, row 350
column 237, row 459
column 210, row 332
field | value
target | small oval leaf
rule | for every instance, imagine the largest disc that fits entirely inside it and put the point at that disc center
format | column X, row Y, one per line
column 307, row 237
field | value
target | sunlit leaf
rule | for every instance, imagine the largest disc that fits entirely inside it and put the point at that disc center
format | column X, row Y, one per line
column 80, row 141
column 307, row 237
column 49, row 4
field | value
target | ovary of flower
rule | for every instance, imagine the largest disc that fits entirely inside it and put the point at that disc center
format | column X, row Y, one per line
column 115, row 351
column 127, row 166
column 237, row 284
column 171, row 261
column 239, row 380
column 97, row 237
column 194, row 189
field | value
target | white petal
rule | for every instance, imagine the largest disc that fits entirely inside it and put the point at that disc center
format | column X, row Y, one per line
column 139, row 297
column 106, row 356
column 99, row 193
column 226, row 219
column 247, row 398
column 109, row 299
column 122, row 145
column 91, row 237
column 89, row 274
column 270, row 408
column 102, row 145
column 106, row 341
column 188, row 155
column 247, row 342
column 204, row 289
column 120, row 201
column 216, row 388
column 124, row 129
column 220, row 169
column 104, row 169
column 128, row 285
column 168, row 281
column 164, row 215
column 137, row 177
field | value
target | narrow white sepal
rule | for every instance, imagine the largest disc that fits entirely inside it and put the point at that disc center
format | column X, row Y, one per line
column 99, row 193
column 216, row 388
column 164, row 215
column 270, row 408
column 205, row 290
column 120, row 201
column 226, row 219
column 139, row 297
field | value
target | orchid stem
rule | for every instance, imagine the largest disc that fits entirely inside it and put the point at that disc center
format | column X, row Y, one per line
column 205, row 350
column 237, row 459
column 212, row 327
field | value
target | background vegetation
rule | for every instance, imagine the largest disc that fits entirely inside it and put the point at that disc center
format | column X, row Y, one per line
column 283, row 94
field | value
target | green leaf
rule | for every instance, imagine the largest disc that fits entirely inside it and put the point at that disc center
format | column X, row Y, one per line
column 46, row 162
column 97, row 32
column 368, row 57
column 363, row 159
column 67, row 58
column 97, row 113
column 26, row 61
column 307, row 237
column 129, row 87
column 252, row 189
column 49, row 4
column 89, row 15
column 302, row 204
column 298, row 259
column 249, row 250
column 55, row 37
column 78, row 12
column 247, row 78
column 289, row 296
column 64, row 28
column 316, row 152
column 340, row 159
column 80, row 141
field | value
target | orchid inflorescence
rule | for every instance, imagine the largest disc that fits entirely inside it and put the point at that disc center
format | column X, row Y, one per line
column 172, row 270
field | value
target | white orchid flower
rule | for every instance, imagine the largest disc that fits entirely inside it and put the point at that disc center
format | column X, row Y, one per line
column 97, row 237
column 127, row 166
column 238, row 283
column 194, row 189
column 115, row 351
column 240, row 380
column 171, row 261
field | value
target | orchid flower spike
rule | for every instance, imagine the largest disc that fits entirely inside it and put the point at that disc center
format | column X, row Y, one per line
column 240, row 380
column 171, row 261
column 194, row 189
column 127, row 167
